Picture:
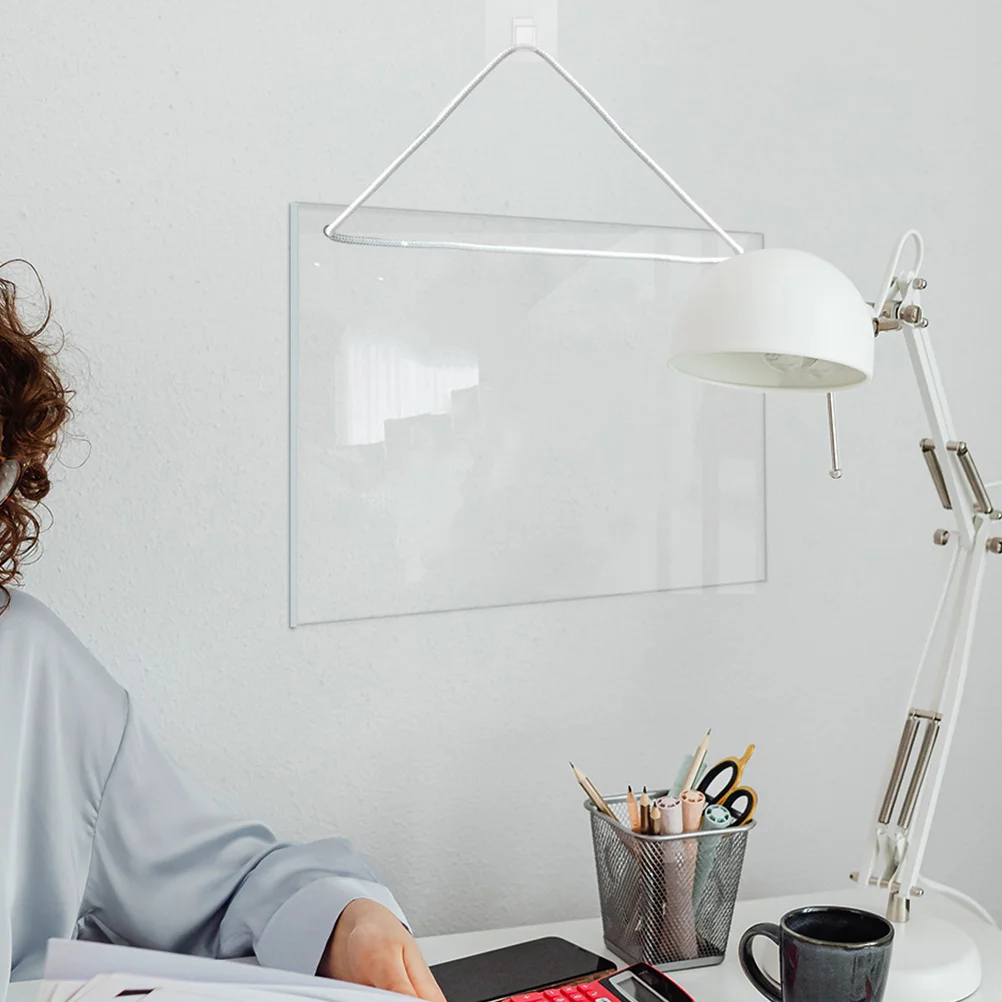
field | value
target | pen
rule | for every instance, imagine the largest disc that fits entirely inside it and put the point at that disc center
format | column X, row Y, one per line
column 671, row 815
column 632, row 809
column 715, row 816
column 679, row 932
column 593, row 795
column 693, row 803
column 697, row 760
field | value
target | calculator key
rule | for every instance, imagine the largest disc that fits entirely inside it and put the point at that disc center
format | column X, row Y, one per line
column 553, row 993
column 578, row 997
column 592, row 994
column 531, row 997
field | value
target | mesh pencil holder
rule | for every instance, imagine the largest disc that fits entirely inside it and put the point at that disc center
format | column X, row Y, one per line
column 667, row 900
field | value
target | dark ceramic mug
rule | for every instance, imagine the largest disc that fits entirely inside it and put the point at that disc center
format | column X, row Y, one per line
column 826, row 954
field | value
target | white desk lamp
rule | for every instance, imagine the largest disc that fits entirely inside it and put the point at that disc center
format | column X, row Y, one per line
column 786, row 320
column 780, row 319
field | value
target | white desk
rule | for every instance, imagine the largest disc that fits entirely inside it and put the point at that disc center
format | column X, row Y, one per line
column 726, row 982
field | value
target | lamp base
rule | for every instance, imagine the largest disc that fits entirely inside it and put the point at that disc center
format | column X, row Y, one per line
column 932, row 961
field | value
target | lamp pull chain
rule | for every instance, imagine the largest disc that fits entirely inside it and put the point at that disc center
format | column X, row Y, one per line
column 836, row 471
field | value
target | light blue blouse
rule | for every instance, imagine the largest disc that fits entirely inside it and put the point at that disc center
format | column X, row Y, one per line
column 102, row 837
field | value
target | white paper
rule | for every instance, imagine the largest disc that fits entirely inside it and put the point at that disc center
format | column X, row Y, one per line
column 116, row 987
column 58, row 991
column 77, row 960
column 334, row 991
column 96, row 990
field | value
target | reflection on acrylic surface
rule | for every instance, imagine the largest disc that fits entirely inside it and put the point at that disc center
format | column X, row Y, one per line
column 485, row 429
column 377, row 382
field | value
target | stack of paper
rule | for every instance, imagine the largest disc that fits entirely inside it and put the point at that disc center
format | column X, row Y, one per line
column 96, row 972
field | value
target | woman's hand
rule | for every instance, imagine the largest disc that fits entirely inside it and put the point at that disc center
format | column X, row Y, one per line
column 369, row 946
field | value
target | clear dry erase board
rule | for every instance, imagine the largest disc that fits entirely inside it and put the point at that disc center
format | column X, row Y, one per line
column 483, row 429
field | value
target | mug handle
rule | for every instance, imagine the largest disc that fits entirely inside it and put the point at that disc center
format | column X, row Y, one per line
column 765, row 983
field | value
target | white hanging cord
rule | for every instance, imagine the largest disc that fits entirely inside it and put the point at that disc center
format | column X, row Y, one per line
column 964, row 899
column 892, row 267
column 332, row 229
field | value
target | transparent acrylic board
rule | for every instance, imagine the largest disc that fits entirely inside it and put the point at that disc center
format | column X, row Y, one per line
column 483, row 429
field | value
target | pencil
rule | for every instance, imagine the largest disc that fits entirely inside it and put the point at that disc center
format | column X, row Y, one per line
column 593, row 795
column 656, row 821
column 645, row 814
column 697, row 760
column 632, row 809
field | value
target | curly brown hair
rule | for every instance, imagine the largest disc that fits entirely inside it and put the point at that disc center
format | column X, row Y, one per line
column 34, row 406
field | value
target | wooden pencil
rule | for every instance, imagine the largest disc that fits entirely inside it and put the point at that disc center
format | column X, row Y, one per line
column 632, row 809
column 656, row 827
column 645, row 814
column 593, row 795
column 697, row 760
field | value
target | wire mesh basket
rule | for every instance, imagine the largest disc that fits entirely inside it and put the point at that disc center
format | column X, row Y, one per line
column 667, row 900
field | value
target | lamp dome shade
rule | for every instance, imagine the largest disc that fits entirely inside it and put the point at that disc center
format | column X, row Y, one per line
column 775, row 319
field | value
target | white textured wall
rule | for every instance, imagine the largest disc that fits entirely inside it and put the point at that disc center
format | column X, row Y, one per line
column 148, row 156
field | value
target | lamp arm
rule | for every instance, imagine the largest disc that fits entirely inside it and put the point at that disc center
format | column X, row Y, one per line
column 901, row 293
column 942, row 431
column 895, row 859
column 912, row 833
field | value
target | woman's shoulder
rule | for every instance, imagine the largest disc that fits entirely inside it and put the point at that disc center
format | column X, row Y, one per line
column 63, row 721
column 25, row 612
column 28, row 620
column 39, row 651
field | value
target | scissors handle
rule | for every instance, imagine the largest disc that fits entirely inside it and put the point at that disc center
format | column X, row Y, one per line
column 741, row 802
column 735, row 766
column 727, row 765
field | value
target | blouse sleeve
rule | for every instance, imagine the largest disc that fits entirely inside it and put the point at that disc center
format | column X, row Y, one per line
column 170, row 871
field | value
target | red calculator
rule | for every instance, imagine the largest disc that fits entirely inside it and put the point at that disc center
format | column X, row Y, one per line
column 639, row 983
